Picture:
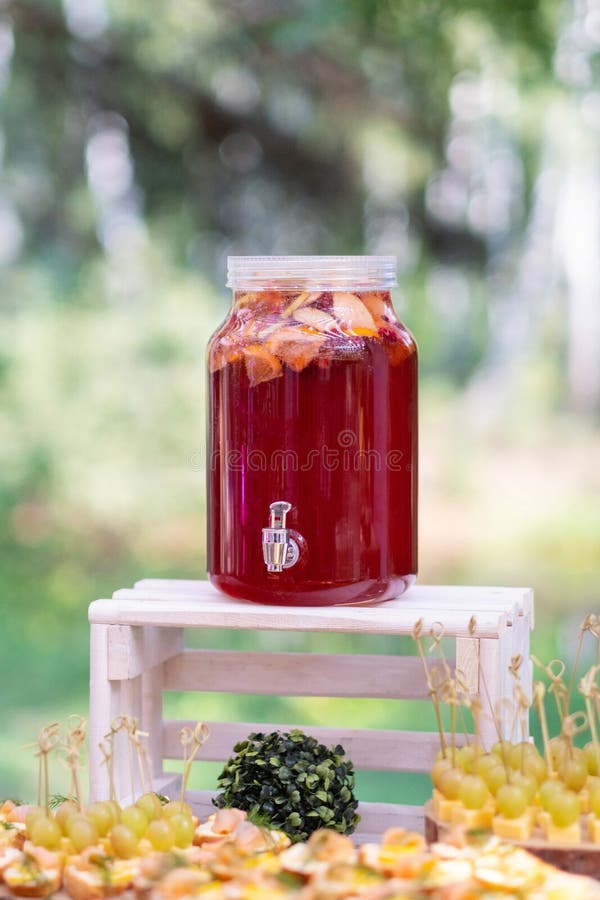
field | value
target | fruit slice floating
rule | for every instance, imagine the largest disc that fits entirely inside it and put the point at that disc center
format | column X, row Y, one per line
column 397, row 343
column 316, row 318
column 351, row 312
column 363, row 332
column 376, row 305
column 222, row 354
column 261, row 365
column 301, row 300
column 296, row 347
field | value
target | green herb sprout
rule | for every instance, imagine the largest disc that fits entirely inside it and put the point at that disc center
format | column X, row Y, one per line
column 291, row 782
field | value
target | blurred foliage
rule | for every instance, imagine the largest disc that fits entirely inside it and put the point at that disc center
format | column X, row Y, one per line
column 139, row 149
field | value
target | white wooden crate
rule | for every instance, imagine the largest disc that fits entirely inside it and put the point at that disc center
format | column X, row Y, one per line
column 138, row 651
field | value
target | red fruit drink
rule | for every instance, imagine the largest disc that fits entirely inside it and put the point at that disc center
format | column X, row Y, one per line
column 312, row 435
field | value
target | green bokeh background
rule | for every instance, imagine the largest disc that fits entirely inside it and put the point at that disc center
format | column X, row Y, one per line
column 140, row 147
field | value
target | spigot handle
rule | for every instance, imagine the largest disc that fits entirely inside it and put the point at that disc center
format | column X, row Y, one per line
column 278, row 512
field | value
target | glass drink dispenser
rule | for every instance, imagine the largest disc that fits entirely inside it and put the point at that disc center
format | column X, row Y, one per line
column 312, row 434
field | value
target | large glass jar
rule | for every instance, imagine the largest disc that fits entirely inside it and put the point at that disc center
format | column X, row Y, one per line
column 312, row 434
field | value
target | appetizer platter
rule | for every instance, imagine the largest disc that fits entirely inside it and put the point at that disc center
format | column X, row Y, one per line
column 230, row 858
column 504, row 819
column 286, row 811
column 546, row 800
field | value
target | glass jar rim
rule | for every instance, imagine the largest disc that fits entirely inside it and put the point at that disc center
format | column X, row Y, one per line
column 256, row 273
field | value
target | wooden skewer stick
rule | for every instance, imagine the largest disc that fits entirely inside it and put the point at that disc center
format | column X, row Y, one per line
column 523, row 705
column 594, row 628
column 586, row 688
column 191, row 742
column 504, row 705
column 140, row 751
column 573, row 725
column 417, row 635
column 514, row 671
column 476, row 713
column 586, row 626
column 129, row 726
column 107, row 751
column 539, row 691
column 557, row 687
column 76, row 735
column 107, row 748
column 492, row 710
column 465, row 702
column 449, row 696
column 436, row 633
column 46, row 742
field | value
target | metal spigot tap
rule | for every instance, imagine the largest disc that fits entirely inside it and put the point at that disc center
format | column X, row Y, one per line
column 280, row 550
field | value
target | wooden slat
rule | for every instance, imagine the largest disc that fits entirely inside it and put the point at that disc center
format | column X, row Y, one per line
column 375, row 817
column 457, row 596
column 494, row 609
column 297, row 674
column 420, row 597
column 371, row 749
column 134, row 650
column 187, row 585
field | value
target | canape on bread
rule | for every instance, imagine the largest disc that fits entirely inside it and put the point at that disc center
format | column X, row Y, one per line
column 154, row 867
column 392, row 860
column 324, row 848
column 181, row 882
column 214, row 890
column 233, row 825
column 12, row 823
column 219, row 825
column 11, row 836
column 36, row 873
column 93, row 875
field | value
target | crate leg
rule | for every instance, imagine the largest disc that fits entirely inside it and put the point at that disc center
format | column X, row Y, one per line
column 104, row 704
column 478, row 660
column 126, row 768
column 519, row 645
column 110, row 698
column 151, row 720
column 497, row 684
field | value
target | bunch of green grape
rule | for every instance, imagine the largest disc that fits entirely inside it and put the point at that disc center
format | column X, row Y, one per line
column 118, row 830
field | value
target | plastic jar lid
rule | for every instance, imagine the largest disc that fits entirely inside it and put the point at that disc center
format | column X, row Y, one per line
column 321, row 273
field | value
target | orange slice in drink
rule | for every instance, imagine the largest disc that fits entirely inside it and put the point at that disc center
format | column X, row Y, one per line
column 296, row 347
column 363, row 332
column 351, row 312
column 261, row 365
